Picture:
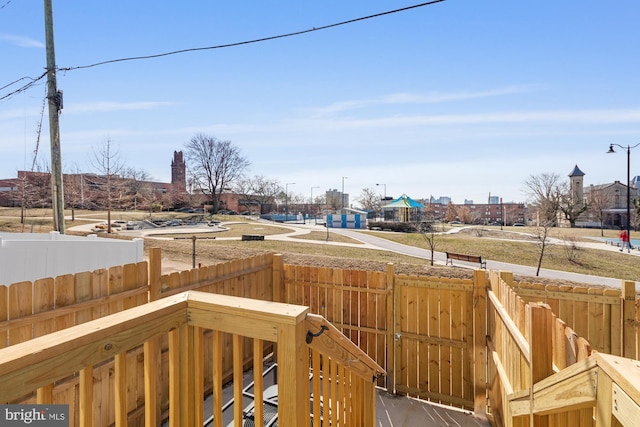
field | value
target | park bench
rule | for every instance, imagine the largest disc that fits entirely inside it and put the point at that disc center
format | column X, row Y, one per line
column 463, row 257
column 252, row 237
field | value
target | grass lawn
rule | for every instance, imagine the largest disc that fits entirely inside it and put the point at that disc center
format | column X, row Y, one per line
column 509, row 245
column 513, row 245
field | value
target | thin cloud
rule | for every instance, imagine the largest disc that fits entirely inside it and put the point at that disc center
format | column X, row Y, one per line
column 569, row 117
column 410, row 98
column 21, row 41
column 116, row 106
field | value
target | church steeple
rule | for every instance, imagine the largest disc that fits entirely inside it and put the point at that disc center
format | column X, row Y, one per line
column 576, row 172
column 178, row 173
column 577, row 185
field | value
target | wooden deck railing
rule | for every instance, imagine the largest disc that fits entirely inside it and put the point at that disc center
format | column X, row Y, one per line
column 345, row 375
column 601, row 391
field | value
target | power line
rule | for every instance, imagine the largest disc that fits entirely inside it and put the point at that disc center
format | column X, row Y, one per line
column 222, row 46
column 33, row 81
column 264, row 39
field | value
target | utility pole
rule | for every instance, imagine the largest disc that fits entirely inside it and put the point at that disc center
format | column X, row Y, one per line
column 55, row 105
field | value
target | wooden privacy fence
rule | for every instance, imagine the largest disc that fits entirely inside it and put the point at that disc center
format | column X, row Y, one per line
column 29, row 310
column 527, row 343
column 543, row 374
column 429, row 334
column 607, row 318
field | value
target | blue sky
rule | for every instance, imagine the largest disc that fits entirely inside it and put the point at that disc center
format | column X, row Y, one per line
column 460, row 98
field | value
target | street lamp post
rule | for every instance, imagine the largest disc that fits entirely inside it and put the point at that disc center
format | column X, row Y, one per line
column 342, row 193
column 286, row 200
column 628, row 147
column 384, row 198
column 311, row 200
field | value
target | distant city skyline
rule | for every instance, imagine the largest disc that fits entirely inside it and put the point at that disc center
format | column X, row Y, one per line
column 456, row 99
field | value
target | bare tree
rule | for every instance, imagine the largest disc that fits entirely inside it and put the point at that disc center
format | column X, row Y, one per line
column 599, row 201
column 214, row 165
column 33, row 190
column 108, row 163
column 137, row 186
column 542, row 237
column 571, row 207
column 545, row 191
column 571, row 248
column 370, row 200
column 427, row 230
column 452, row 212
column 258, row 190
column 73, row 190
column 464, row 214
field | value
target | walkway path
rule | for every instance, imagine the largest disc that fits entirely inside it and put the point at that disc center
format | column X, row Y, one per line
column 374, row 242
column 369, row 241
column 494, row 265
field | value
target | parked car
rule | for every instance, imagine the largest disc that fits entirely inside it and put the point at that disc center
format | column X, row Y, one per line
column 518, row 224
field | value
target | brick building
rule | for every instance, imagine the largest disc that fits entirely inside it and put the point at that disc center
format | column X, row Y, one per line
column 87, row 190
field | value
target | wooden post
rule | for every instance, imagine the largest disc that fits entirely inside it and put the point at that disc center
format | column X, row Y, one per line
column 120, row 374
column 44, row 395
column 369, row 397
column 279, row 291
column 391, row 323
column 238, row 353
column 155, row 271
column 278, row 280
column 174, row 379
column 629, row 331
column 217, row 378
column 187, row 399
column 152, row 351
column 54, row 97
column 541, row 346
column 151, row 380
column 86, row 397
column 479, row 353
column 293, row 376
column 258, row 382
column 198, row 375
column 604, row 404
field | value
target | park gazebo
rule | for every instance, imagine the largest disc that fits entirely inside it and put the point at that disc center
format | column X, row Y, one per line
column 407, row 209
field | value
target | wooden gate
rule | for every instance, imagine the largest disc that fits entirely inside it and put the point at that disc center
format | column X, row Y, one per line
column 420, row 329
column 434, row 339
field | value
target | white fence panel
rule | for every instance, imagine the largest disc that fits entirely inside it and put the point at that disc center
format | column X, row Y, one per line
column 27, row 257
